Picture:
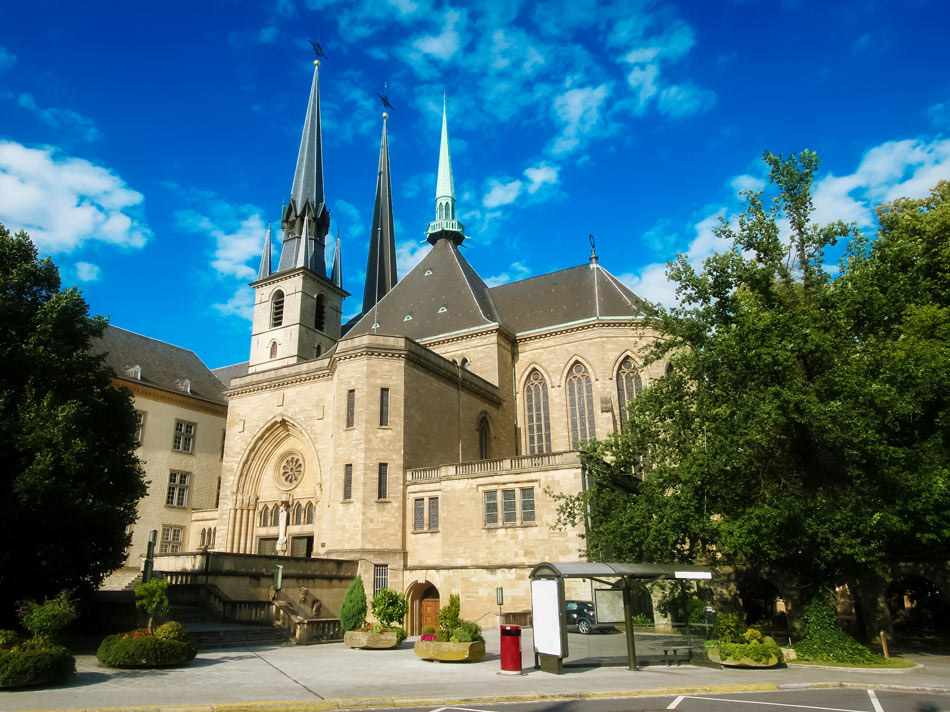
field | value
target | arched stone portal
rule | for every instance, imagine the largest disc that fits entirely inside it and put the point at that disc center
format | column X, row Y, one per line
column 424, row 601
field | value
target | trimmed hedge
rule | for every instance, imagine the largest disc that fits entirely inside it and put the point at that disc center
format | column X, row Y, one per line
column 137, row 649
column 22, row 666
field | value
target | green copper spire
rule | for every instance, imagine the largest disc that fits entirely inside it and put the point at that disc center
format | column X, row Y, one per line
column 445, row 224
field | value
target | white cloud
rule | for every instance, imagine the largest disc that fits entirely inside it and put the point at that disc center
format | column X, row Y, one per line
column 747, row 182
column 643, row 79
column 61, row 118
column 348, row 219
column 7, row 58
column 939, row 114
column 680, row 100
column 501, row 193
column 516, row 271
column 894, row 169
column 238, row 234
column 579, row 110
column 240, row 304
column 64, row 202
column 88, row 272
column 446, row 43
column 541, row 175
column 408, row 254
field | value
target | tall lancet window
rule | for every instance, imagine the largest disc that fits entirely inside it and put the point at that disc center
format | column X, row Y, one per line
column 580, row 404
column 277, row 309
column 320, row 316
column 629, row 386
column 536, row 412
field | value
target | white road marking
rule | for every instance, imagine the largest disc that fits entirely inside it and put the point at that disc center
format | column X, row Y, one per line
column 675, row 703
column 463, row 709
column 874, row 702
column 779, row 704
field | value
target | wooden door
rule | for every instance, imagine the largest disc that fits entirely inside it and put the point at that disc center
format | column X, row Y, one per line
column 429, row 613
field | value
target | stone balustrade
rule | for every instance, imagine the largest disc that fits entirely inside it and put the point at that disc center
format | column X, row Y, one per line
column 497, row 465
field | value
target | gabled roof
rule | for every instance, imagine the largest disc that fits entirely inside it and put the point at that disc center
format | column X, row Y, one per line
column 564, row 297
column 441, row 294
column 162, row 365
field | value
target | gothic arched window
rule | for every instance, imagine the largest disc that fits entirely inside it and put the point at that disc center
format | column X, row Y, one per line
column 298, row 514
column 308, row 515
column 536, row 412
column 265, row 517
column 214, row 535
column 275, row 516
column 629, row 386
column 320, row 316
column 202, row 542
column 273, row 349
column 277, row 309
column 580, row 404
column 484, row 439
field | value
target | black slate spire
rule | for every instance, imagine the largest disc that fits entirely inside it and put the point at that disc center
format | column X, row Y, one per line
column 381, row 262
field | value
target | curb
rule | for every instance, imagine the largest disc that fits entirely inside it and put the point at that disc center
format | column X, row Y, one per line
column 875, row 671
column 392, row 702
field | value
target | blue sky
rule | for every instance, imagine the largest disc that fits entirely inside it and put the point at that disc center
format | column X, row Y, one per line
column 146, row 146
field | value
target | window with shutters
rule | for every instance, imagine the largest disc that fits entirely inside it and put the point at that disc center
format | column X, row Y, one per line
column 277, row 309
column 320, row 313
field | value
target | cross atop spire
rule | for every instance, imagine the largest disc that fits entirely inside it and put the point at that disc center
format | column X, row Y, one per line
column 445, row 224
column 381, row 261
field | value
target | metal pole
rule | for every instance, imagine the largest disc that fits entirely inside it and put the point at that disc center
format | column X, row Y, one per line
column 628, row 626
column 149, row 556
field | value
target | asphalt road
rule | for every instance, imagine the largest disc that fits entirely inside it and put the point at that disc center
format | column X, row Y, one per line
column 829, row 700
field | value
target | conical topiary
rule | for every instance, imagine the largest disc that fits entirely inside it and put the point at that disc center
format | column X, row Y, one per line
column 353, row 610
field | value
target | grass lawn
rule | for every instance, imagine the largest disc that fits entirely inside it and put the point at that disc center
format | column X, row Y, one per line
column 888, row 663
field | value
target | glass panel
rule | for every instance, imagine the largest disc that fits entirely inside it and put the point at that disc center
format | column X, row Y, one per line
column 510, row 510
column 491, row 507
column 433, row 512
column 350, row 408
column 419, row 514
column 382, row 484
column 384, row 407
column 348, row 482
column 527, row 505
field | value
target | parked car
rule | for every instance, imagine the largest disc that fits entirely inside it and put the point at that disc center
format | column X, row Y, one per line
column 582, row 618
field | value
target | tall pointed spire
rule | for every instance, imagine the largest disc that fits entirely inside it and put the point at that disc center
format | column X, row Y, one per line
column 264, row 271
column 307, row 197
column 445, row 225
column 381, row 261
column 336, row 274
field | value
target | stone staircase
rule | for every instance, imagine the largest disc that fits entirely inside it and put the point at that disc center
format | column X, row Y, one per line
column 211, row 634
column 124, row 579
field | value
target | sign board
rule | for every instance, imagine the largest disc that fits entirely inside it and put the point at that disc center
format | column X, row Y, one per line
column 608, row 605
column 546, row 618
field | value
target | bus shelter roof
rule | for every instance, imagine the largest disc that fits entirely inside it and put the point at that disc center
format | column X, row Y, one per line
column 587, row 569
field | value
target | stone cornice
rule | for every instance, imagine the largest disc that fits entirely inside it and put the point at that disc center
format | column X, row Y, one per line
column 599, row 323
column 181, row 400
column 468, row 335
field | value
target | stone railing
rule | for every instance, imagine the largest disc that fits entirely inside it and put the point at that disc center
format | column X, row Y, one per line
column 307, row 630
column 501, row 464
column 185, row 591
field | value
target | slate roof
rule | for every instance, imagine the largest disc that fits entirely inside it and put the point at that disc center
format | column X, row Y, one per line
column 226, row 373
column 564, row 297
column 163, row 365
column 441, row 294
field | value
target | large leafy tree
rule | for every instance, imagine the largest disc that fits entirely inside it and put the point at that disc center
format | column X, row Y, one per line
column 803, row 425
column 69, row 478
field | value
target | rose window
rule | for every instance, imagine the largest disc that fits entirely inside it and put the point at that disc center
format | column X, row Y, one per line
column 291, row 470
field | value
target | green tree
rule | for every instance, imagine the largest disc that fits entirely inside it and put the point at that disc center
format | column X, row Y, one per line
column 70, row 480
column 389, row 607
column 152, row 597
column 353, row 608
column 800, row 428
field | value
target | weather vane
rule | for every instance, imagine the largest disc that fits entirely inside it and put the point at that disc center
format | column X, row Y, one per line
column 317, row 49
column 385, row 99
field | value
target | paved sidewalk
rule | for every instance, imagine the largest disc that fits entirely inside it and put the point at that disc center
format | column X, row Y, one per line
column 333, row 677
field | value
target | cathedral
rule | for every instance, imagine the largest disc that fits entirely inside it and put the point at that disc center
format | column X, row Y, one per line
column 423, row 438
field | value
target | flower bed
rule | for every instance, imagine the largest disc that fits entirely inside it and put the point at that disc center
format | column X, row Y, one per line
column 140, row 649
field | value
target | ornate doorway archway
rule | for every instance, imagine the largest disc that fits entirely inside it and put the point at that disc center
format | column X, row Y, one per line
column 424, row 602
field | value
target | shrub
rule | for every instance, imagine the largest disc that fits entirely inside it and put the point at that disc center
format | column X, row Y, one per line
column 442, row 636
column 466, row 632
column 141, row 649
column 641, row 619
column 389, row 606
column 152, row 597
column 172, row 630
column 428, row 630
column 449, row 615
column 23, row 666
column 8, row 639
column 729, row 627
column 824, row 640
column 760, row 651
column 353, row 609
column 752, row 636
column 45, row 619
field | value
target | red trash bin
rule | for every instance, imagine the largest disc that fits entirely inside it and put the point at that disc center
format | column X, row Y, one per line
column 511, row 649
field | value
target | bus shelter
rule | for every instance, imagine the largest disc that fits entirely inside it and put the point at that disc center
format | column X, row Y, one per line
column 617, row 631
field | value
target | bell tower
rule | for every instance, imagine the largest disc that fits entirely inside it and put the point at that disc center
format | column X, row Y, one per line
column 297, row 309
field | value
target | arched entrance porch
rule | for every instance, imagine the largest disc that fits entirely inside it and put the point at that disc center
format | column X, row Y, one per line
column 424, row 600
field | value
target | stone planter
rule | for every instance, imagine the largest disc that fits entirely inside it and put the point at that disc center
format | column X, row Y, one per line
column 369, row 640
column 450, row 652
column 714, row 656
